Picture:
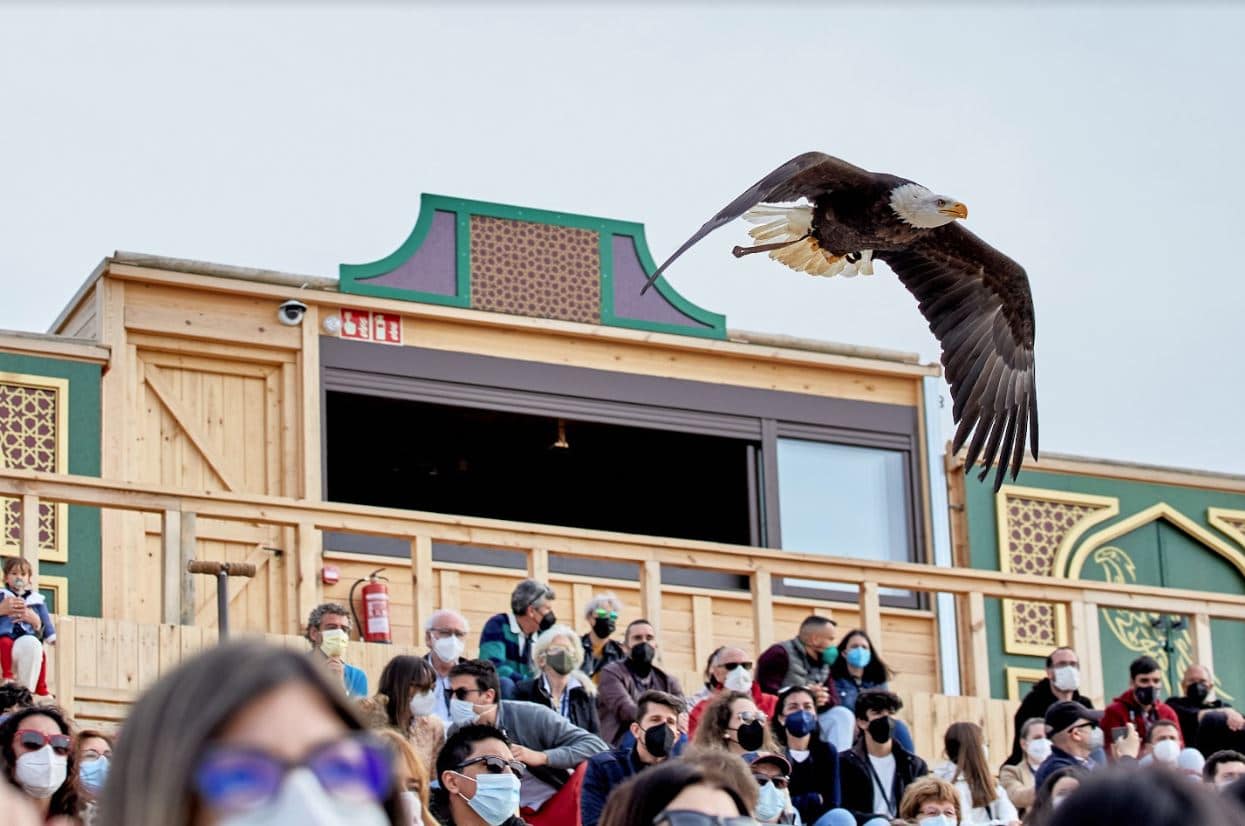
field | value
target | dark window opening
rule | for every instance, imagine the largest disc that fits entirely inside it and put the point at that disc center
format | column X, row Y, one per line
column 407, row 454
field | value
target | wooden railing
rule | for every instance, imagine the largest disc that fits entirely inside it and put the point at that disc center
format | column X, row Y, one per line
column 98, row 668
column 1081, row 600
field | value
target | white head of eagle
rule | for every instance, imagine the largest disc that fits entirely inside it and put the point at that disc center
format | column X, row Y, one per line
column 916, row 205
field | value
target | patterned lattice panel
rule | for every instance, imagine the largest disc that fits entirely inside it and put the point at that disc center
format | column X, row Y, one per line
column 30, row 439
column 537, row 270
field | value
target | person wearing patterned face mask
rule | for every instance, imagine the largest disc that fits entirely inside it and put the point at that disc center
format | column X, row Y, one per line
column 36, row 752
column 560, row 684
column 877, row 770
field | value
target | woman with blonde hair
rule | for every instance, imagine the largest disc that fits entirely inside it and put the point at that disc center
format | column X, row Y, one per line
column 732, row 721
column 930, row 801
column 411, row 776
column 559, row 684
column 982, row 799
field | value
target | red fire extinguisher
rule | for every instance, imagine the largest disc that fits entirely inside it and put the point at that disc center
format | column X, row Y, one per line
column 375, row 607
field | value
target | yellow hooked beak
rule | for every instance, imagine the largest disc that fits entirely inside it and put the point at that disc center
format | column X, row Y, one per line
column 956, row 210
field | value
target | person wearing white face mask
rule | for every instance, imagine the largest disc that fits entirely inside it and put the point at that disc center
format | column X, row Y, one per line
column 930, row 801
column 408, row 685
column 36, row 751
column 1018, row 779
column 731, row 670
column 1061, row 683
column 445, row 634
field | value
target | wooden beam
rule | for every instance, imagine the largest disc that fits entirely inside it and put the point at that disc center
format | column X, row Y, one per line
column 186, row 552
column 1088, row 647
column 306, row 557
column 650, row 593
column 871, row 610
column 421, row 574
column 538, row 564
column 171, row 566
column 979, row 645
column 155, row 380
column 762, row 610
column 702, row 629
column 309, row 403
column 1203, row 651
column 30, row 531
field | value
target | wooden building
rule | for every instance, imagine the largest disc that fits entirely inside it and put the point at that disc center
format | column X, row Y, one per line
column 492, row 400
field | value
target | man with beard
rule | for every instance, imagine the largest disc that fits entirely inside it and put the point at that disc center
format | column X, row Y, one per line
column 622, row 683
column 656, row 728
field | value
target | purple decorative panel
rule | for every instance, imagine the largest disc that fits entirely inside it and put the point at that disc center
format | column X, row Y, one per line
column 433, row 267
column 629, row 278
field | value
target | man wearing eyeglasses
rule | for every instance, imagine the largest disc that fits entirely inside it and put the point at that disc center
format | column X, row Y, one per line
column 545, row 741
column 1075, row 734
column 656, row 729
column 445, row 635
column 622, row 683
column 731, row 670
column 479, row 779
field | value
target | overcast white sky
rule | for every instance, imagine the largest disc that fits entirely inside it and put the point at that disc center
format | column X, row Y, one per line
column 1102, row 149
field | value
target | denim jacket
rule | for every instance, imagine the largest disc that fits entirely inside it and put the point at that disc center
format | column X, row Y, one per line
column 34, row 601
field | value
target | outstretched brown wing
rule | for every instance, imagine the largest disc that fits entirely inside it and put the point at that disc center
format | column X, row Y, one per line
column 979, row 307
column 804, row 176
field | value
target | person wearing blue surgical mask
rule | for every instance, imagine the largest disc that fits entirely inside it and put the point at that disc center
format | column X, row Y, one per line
column 479, row 779
column 249, row 734
column 94, row 757
column 859, row 667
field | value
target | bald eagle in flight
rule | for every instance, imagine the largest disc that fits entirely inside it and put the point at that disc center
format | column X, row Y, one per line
column 975, row 298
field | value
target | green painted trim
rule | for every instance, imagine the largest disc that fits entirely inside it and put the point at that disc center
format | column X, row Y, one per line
column 83, row 422
column 353, row 276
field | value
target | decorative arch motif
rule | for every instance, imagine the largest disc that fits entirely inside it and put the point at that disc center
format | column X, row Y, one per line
column 1160, row 511
column 1036, row 527
column 1231, row 522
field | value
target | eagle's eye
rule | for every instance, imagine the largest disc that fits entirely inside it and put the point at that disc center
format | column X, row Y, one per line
column 941, row 203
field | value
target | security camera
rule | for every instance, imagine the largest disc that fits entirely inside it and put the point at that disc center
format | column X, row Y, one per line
column 291, row 313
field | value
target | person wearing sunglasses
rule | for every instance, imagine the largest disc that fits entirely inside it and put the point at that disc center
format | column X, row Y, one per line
column 678, row 793
column 600, row 648
column 772, row 772
column 1075, row 734
column 545, row 741
column 732, row 722
column 248, row 734
column 36, row 751
column 479, row 779
column 654, row 732
column 731, row 669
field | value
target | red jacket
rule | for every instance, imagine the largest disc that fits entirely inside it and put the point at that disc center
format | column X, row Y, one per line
column 1125, row 710
column 767, row 703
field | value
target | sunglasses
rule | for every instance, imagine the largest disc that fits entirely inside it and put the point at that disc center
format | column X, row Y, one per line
column 463, row 693
column 733, row 666
column 780, row 782
column 495, row 765
column 355, row 769
column 32, row 740
column 681, row 817
column 601, row 613
column 752, row 717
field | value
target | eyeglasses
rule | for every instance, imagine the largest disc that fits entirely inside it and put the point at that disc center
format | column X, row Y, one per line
column 91, row 755
column 733, row 666
column 683, row 817
column 602, row 613
column 495, row 765
column 463, row 693
column 780, row 781
column 32, row 740
column 449, row 632
column 1080, row 725
column 233, row 779
column 936, row 813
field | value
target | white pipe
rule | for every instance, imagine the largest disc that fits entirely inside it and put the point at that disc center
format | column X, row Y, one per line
column 948, row 636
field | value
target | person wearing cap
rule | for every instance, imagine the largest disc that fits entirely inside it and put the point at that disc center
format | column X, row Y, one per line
column 1063, row 678
column 506, row 639
column 877, row 770
column 1140, row 704
column 772, row 773
column 655, row 732
column 1074, row 735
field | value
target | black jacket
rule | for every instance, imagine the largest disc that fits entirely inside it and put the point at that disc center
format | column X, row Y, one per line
column 856, row 779
column 582, row 705
column 1036, row 702
column 815, row 781
column 1187, row 712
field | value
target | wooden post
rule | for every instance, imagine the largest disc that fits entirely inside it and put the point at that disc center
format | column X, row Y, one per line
column 30, row 535
column 421, row 574
column 650, row 593
column 306, row 558
column 309, row 405
column 186, row 582
column 762, row 610
column 171, row 556
column 1088, row 647
column 538, row 565
column 979, row 645
column 1203, row 653
column 871, row 611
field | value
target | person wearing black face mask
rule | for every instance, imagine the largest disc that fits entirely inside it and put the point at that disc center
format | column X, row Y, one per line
column 1199, row 703
column 600, row 649
column 621, row 683
column 506, row 639
column 655, row 730
column 1141, row 704
column 875, row 772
